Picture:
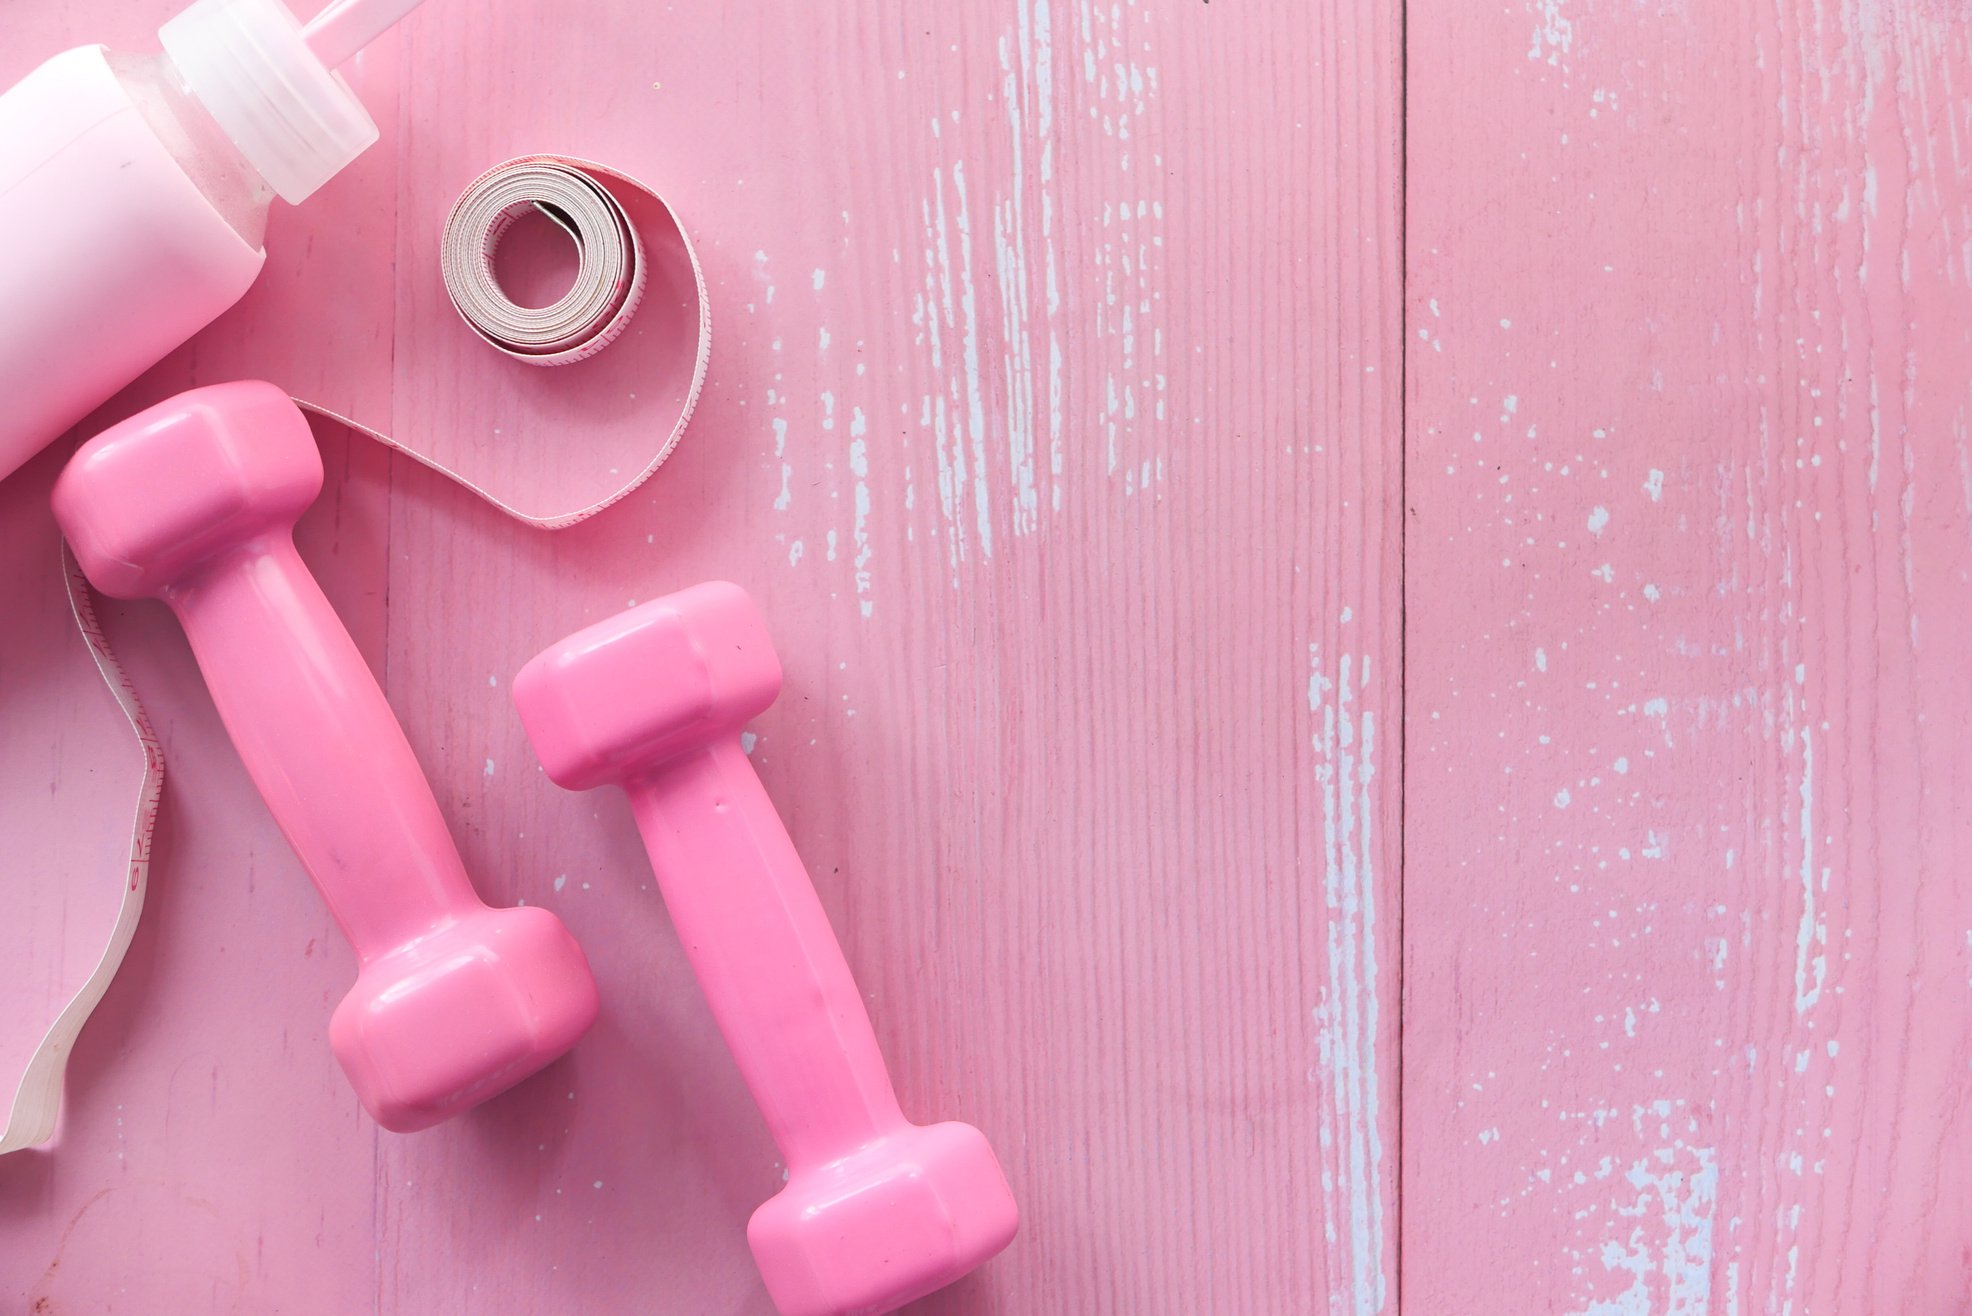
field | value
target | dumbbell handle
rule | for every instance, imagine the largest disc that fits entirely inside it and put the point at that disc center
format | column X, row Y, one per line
column 322, row 744
column 761, row 945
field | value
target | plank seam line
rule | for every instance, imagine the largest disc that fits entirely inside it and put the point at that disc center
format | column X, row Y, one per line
column 1403, row 623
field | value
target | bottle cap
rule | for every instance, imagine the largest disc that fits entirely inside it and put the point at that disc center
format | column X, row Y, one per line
column 291, row 116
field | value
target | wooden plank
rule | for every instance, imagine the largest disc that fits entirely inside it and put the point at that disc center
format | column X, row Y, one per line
column 1688, row 431
column 1054, row 422
column 1054, row 544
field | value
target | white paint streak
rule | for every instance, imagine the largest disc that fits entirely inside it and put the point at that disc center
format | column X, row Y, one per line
column 1027, row 86
column 940, row 317
column 975, row 398
column 1012, row 320
column 1132, row 241
column 1347, row 1019
column 1811, row 937
column 859, row 466
column 786, row 495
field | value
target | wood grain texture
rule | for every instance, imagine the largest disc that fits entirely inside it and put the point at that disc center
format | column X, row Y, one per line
column 1686, row 889
column 1053, row 419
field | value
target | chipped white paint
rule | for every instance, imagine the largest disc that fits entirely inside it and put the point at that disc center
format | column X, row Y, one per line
column 1663, row 1229
column 1554, row 34
column 1349, row 1108
column 1811, row 935
column 785, row 498
column 936, row 317
column 859, row 467
column 975, row 404
column 1027, row 92
column 958, row 413
column 1015, row 327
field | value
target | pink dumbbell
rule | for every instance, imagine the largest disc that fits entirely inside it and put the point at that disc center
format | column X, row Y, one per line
column 877, row 1211
column 194, row 502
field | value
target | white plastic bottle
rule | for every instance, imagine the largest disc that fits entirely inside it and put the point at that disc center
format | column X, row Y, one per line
column 134, row 192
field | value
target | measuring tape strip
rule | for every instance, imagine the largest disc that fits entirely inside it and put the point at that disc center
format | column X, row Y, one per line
column 575, row 193
column 37, row 1098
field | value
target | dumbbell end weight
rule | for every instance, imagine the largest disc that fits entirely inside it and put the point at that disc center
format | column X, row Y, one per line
column 462, row 1014
column 898, row 1219
column 149, row 502
column 192, row 502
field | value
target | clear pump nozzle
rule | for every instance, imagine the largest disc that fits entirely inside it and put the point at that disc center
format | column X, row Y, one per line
column 346, row 26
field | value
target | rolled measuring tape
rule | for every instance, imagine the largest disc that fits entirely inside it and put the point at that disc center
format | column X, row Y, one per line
column 609, row 283
column 609, row 275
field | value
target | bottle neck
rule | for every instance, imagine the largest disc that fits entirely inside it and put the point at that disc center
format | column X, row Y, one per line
column 209, row 158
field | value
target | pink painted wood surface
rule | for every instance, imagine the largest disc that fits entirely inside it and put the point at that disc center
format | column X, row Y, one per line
column 1686, row 901
column 1093, row 666
column 1053, row 419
